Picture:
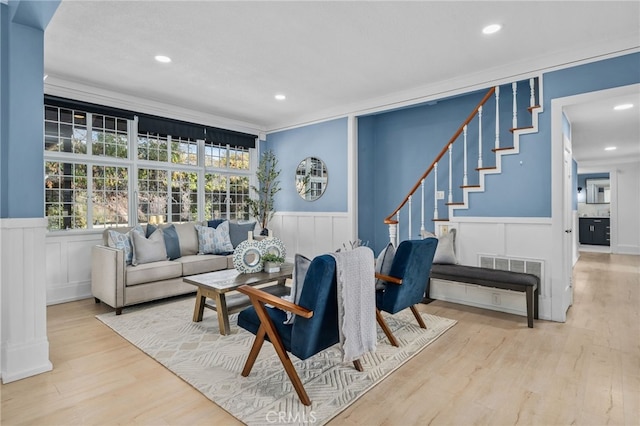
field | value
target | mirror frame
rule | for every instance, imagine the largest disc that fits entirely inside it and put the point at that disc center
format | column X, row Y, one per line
column 593, row 185
column 311, row 178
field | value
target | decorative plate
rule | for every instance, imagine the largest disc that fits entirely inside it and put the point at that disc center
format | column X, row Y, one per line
column 247, row 257
column 273, row 245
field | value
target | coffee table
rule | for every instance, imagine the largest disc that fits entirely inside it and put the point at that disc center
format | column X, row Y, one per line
column 216, row 285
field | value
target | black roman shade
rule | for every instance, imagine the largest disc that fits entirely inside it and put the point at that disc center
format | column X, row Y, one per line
column 160, row 125
column 88, row 107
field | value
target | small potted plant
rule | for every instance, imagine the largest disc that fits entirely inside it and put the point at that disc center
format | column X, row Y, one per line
column 272, row 262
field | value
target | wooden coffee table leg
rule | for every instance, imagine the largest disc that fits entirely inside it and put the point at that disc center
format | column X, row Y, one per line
column 223, row 314
column 198, row 310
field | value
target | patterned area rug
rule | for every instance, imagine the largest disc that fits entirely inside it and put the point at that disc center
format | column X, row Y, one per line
column 212, row 363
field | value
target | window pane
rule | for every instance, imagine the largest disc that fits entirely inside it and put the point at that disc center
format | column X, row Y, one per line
column 215, row 194
column 239, row 158
column 238, row 195
column 153, row 195
column 184, row 196
column 110, row 196
column 215, row 155
column 65, row 130
column 65, row 195
column 106, row 140
column 152, row 146
column 184, row 151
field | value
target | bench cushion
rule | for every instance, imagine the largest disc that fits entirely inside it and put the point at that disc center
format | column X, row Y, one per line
column 487, row 277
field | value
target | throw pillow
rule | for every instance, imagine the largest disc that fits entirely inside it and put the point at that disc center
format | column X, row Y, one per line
column 122, row 241
column 213, row 223
column 300, row 268
column 446, row 250
column 150, row 230
column 171, row 242
column 383, row 264
column 147, row 250
column 238, row 231
column 214, row 240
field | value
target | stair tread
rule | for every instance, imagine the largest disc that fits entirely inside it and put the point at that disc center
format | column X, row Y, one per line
column 470, row 186
column 455, row 204
column 486, row 168
column 513, row 129
column 446, row 219
column 503, row 148
column 531, row 108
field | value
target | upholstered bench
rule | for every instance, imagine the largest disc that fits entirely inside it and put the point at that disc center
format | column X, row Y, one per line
column 485, row 277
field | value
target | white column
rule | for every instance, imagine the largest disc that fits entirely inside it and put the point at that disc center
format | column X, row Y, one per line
column 24, row 345
column 450, row 198
column 480, row 137
column 422, row 208
column 497, row 145
column 464, row 178
column 410, row 211
column 514, row 121
column 532, row 96
column 435, row 191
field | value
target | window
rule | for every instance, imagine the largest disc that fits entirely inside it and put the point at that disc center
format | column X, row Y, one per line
column 100, row 173
column 66, row 195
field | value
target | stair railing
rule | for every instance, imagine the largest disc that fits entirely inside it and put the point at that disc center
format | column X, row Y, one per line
column 393, row 222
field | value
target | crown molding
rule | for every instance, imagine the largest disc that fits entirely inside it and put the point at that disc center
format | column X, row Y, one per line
column 57, row 86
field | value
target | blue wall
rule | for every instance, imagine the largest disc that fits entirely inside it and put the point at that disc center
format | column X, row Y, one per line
column 329, row 142
column 22, row 26
column 389, row 144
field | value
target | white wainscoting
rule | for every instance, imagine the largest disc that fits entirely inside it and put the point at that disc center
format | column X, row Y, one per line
column 68, row 269
column 512, row 238
column 311, row 234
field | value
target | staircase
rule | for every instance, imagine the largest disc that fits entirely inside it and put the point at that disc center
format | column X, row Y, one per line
column 494, row 119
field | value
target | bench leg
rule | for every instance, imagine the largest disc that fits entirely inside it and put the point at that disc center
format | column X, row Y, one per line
column 530, row 306
column 536, row 296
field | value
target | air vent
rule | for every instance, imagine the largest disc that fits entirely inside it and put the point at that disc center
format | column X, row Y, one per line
column 505, row 263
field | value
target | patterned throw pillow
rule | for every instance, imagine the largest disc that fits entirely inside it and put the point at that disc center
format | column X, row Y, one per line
column 122, row 241
column 214, row 240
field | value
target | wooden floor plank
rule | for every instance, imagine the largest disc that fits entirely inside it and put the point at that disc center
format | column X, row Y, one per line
column 488, row 369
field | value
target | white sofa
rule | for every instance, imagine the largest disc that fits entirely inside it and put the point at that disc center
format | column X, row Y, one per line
column 119, row 285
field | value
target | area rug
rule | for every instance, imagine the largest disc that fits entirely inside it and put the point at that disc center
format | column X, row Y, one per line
column 212, row 363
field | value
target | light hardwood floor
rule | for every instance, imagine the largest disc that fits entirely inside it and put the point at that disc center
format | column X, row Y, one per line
column 488, row 369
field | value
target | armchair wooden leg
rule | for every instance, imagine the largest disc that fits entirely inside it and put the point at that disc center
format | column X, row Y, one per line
column 386, row 329
column 255, row 350
column 418, row 317
column 358, row 365
column 276, row 341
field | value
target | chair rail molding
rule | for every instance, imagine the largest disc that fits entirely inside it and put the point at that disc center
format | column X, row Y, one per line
column 24, row 345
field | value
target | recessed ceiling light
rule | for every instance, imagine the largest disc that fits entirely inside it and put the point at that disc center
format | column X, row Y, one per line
column 163, row 59
column 622, row 107
column 610, row 148
column 280, row 97
column 490, row 29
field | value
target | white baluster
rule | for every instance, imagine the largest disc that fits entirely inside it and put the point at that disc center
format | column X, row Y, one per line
column 532, row 96
column 497, row 145
column 392, row 234
column 480, row 137
column 422, row 208
column 450, row 199
column 398, row 228
column 435, row 191
column 410, row 211
column 514, row 123
column 464, row 177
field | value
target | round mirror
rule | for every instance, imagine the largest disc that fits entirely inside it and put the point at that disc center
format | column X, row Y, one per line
column 311, row 178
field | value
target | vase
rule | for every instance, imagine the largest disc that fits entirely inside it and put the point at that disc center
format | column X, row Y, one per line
column 271, row 267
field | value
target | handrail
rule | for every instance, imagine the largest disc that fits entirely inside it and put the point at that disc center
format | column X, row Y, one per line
column 388, row 220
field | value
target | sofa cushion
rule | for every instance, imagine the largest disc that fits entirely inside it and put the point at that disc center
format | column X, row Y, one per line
column 147, row 250
column 188, row 238
column 199, row 264
column 214, row 240
column 121, row 239
column 238, row 232
column 155, row 271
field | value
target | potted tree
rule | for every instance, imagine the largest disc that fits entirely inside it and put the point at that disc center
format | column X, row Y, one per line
column 268, row 186
column 272, row 262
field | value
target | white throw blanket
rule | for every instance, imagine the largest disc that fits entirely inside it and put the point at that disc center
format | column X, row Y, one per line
column 356, row 302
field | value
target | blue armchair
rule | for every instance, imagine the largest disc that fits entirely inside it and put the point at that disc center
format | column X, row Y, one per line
column 407, row 281
column 314, row 329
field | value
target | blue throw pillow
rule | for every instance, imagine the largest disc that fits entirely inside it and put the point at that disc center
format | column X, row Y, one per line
column 150, row 230
column 213, row 223
column 171, row 242
column 238, row 232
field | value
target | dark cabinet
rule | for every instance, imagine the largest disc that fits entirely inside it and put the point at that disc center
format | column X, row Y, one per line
column 595, row 231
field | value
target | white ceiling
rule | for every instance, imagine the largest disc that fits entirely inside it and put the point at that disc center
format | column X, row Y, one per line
column 328, row 58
